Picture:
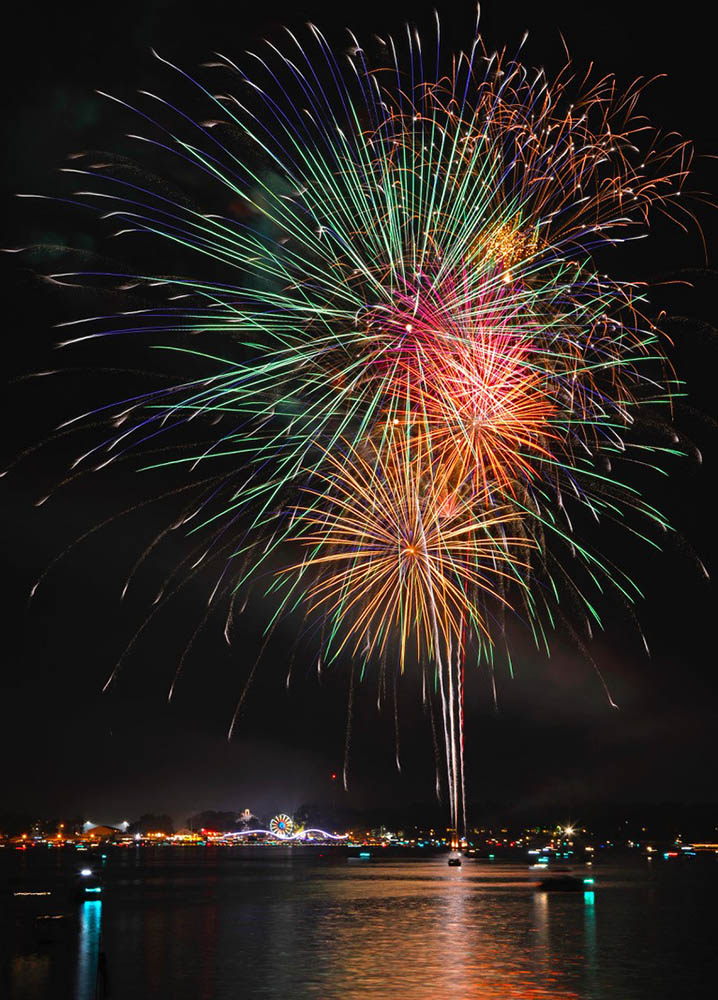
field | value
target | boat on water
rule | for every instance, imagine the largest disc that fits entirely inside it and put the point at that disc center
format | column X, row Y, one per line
column 455, row 862
column 564, row 882
column 87, row 885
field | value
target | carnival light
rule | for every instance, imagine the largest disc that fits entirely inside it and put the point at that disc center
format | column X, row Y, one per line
column 312, row 832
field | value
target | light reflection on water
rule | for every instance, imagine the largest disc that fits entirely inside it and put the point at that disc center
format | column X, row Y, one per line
column 222, row 925
column 429, row 942
column 88, row 949
column 29, row 976
column 589, row 934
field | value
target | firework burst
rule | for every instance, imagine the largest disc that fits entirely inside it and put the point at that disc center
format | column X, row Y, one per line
column 401, row 553
column 421, row 372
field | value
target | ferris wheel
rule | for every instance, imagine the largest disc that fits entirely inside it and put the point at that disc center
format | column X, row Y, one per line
column 282, row 825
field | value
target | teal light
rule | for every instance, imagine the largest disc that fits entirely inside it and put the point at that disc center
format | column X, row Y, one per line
column 98, row 889
column 589, row 897
column 588, row 881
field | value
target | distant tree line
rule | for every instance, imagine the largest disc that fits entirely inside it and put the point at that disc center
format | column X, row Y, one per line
column 152, row 823
column 212, row 819
column 615, row 821
column 13, row 824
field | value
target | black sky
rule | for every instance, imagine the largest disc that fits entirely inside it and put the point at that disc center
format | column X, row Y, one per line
column 65, row 746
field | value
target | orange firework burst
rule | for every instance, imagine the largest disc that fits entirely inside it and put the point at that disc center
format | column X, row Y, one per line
column 488, row 412
column 470, row 378
column 401, row 553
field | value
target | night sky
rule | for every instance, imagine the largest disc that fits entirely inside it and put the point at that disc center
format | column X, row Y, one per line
column 67, row 748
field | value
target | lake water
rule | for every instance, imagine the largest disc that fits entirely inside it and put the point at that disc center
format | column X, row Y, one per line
column 223, row 924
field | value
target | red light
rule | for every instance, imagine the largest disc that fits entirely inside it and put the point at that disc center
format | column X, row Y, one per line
column 334, row 776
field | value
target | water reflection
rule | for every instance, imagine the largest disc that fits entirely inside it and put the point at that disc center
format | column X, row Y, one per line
column 29, row 976
column 88, row 950
column 539, row 928
column 589, row 934
column 435, row 932
column 194, row 927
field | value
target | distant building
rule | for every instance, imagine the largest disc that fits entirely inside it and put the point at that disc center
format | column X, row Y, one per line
column 247, row 819
column 97, row 833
